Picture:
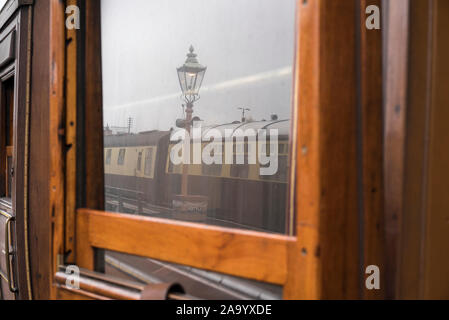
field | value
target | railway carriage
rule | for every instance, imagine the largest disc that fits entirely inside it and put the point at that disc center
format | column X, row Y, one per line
column 141, row 178
column 132, row 172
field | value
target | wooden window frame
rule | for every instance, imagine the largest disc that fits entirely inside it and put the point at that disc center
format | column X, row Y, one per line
column 323, row 259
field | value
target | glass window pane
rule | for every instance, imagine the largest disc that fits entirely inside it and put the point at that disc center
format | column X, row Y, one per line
column 197, row 103
column 198, row 283
column 2, row 4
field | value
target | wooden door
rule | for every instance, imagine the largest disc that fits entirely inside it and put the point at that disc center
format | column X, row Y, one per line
column 14, row 69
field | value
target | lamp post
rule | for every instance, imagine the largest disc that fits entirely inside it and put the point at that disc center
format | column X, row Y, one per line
column 190, row 76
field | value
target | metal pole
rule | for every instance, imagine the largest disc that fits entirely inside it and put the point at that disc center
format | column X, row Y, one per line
column 184, row 183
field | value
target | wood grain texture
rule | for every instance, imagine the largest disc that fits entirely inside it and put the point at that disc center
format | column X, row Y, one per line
column 39, row 171
column 324, row 264
column 57, row 132
column 303, row 279
column 417, row 111
column 436, row 257
column 84, row 250
column 370, row 149
column 90, row 172
column 94, row 182
column 246, row 254
column 395, row 110
column 425, row 230
column 70, row 141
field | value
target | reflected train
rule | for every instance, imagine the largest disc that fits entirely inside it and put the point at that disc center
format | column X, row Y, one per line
column 140, row 178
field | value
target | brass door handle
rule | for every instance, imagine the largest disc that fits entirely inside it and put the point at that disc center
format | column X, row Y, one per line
column 9, row 253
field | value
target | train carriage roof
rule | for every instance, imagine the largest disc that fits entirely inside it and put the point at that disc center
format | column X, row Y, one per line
column 283, row 127
column 149, row 138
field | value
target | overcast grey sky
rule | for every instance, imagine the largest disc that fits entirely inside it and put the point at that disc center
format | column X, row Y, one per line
column 2, row 3
column 247, row 46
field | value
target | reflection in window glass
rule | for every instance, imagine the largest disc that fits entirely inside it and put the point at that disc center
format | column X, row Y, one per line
column 197, row 103
column 108, row 157
column 149, row 162
column 121, row 157
column 2, row 4
column 139, row 161
column 198, row 283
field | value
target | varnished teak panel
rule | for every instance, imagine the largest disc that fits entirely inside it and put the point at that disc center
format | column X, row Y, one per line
column 246, row 254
